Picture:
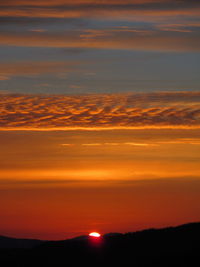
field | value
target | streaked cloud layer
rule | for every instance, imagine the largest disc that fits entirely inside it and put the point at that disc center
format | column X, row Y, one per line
column 147, row 110
column 173, row 39
column 76, row 8
column 128, row 45
column 135, row 25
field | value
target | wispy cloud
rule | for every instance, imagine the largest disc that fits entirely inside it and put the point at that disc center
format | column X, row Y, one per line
column 181, row 34
column 165, row 39
column 92, row 144
column 4, row 78
column 150, row 144
column 67, row 144
column 92, row 8
column 31, row 68
column 147, row 110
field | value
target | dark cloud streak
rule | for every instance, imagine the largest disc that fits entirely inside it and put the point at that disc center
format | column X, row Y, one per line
column 56, row 8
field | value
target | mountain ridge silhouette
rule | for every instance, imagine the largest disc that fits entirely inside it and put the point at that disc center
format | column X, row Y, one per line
column 171, row 246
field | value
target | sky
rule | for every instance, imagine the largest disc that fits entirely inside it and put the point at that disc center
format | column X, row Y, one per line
column 99, row 116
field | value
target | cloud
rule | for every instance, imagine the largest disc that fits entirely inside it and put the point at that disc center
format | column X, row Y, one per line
column 67, row 145
column 62, row 112
column 92, row 144
column 178, row 35
column 65, row 8
column 30, row 68
column 114, row 38
column 4, row 78
column 186, row 179
column 147, row 144
column 37, row 30
column 139, row 144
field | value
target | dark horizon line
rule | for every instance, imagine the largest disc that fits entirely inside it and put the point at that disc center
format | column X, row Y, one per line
column 104, row 235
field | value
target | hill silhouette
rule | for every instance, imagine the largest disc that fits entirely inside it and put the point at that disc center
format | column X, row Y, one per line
column 12, row 243
column 173, row 246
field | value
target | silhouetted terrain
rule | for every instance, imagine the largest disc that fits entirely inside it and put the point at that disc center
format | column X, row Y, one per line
column 174, row 246
column 7, row 242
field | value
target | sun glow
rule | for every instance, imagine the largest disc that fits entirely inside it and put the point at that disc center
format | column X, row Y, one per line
column 94, row 234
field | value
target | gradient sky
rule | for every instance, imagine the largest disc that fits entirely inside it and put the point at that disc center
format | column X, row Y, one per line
column 99, row 116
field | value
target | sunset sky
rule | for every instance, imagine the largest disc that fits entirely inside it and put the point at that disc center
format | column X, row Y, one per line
column 99, row 116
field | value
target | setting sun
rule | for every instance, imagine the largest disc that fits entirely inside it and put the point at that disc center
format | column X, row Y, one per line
column 94, row 234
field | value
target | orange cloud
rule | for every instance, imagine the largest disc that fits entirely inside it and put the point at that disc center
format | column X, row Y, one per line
column 130, row 14
column 152, row 110
column 174, row 36
column 108, row 39
column 4, row 78
column 79, row 8
column 34, row 68
column 75, row 2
